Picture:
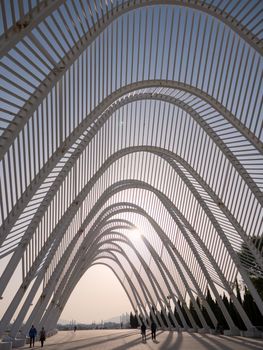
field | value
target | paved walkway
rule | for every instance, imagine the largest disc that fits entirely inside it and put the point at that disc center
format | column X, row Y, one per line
column 131, row 339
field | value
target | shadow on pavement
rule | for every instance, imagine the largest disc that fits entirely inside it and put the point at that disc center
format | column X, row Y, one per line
column 169, row 344
column 73, row 344
column 206, row 342
column 171, row 341
column 220, row 342
column 255, row 344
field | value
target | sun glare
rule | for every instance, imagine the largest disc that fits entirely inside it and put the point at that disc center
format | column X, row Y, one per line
column 135, row 235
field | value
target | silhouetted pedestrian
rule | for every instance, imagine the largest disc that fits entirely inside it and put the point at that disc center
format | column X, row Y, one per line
column 153, row 329
column 219, row 329
column 32, row 336
column 42, row 336
column 143, row 332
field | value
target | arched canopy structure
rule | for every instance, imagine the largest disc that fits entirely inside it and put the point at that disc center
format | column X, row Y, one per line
column 119, row 116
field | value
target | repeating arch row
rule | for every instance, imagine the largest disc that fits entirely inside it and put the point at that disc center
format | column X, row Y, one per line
column 105, row 129
column 74, row 149
column 23, row 22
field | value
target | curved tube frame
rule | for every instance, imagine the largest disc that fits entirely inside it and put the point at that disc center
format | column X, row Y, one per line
column 106, row 108
column 54, row 76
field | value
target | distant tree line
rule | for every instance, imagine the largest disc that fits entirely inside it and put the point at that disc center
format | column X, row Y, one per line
column 255, row 271
column 246, row 301
column 134, row 323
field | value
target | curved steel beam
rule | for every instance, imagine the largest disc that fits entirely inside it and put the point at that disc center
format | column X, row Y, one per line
column 181, row 274
column 79, row 269
column 104, row 242
column 39, row 312
column 159, row 262
column 86, row 244
column 26, row 197
column 75, row 259
column 233, row 254
column 53, row 313
column 94, row 247
column 79, row 200
column 12, row 36
column 45, row 87
column 62, row 291
column 13, row 306
column 9, row 136
column 153, row 280
column 171, row 251
column 81, row 260
column 228, row 246
column 28, row 194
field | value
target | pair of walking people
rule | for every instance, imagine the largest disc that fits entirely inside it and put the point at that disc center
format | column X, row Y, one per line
column 33, row 334
column 153, row 330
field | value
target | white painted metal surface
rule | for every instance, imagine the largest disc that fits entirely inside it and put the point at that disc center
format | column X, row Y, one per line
column 123, row 114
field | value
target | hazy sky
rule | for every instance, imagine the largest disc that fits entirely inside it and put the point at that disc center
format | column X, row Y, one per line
column 99, row 295
column 96, row 301
column 93, row 299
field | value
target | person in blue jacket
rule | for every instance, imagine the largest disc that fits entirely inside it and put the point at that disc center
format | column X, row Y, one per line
column 32, row 336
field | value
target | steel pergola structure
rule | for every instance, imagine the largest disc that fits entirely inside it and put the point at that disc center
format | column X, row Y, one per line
column 119, row 116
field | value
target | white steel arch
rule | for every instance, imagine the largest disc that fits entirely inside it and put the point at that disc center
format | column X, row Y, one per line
column 104, row 128
column 192, row 247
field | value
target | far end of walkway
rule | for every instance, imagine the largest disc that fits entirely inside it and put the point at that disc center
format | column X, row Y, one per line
column 124, row 339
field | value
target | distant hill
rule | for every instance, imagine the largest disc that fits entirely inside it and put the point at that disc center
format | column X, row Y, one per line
column 124, row 318
column 63, row 322
column 115, row 319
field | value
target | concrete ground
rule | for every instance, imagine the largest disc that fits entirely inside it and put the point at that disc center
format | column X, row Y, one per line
column 131, row 339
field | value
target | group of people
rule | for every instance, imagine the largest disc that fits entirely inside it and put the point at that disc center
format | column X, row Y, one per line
column 32, row 336
column 153, row 331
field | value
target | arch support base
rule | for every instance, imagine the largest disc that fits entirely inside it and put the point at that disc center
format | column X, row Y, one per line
column 252, row 333
column 6, row 344
column 203, row 330
column 18, row 342
column 232, row 332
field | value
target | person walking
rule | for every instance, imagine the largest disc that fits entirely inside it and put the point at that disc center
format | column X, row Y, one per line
column 32, row 336
column 42, row 336
column 153, row 330
column 143, row 332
